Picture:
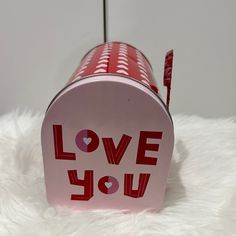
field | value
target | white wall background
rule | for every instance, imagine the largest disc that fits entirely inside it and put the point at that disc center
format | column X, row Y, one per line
column 43, row 41
column 203, row 35
column 41, row 44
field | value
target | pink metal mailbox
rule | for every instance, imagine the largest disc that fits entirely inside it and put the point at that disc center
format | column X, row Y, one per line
column 107, row 136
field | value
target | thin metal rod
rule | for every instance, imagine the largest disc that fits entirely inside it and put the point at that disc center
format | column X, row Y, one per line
column 104, row 21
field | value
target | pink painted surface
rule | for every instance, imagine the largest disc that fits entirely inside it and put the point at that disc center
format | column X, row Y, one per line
column 111, row 106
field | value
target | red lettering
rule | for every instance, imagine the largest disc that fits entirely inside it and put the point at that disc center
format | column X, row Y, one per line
column 108, row 184
column 87, row 140
column 144, row 146
column 87, row 182
column 113, row 154
column 142, row 184
column 58, row 145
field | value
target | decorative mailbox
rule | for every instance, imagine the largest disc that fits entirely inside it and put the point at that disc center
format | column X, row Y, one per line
column 107, row 136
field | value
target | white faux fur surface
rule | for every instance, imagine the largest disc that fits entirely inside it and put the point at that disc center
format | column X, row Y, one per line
column 200, row 197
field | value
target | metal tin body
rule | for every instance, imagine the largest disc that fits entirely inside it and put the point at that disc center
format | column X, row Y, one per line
column 116, row 58
column 107, row 137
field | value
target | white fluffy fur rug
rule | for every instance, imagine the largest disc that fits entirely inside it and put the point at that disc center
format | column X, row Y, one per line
column 200, row 197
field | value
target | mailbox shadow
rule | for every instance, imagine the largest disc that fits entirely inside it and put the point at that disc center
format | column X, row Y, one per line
column 175, row 190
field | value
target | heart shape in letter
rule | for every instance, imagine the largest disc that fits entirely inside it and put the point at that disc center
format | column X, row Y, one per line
column 87, row 141
column 108, row 184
